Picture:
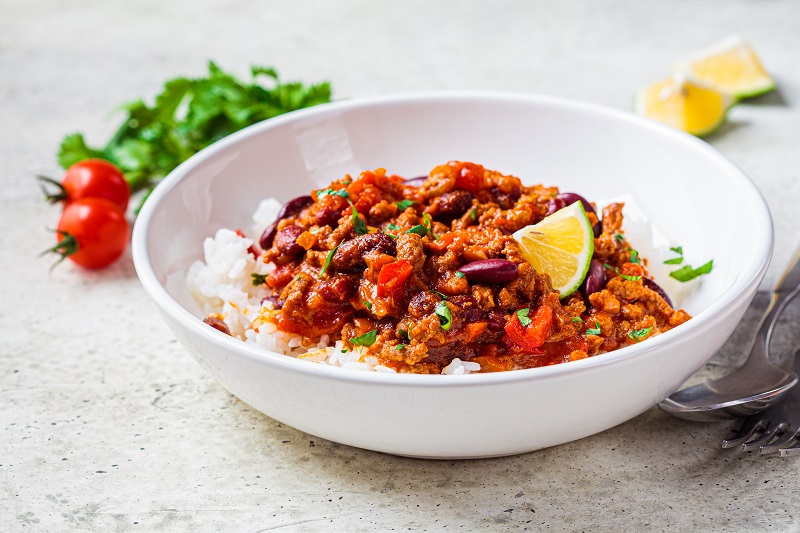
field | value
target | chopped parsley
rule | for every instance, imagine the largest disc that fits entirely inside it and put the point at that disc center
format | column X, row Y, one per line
column 442, row 296
column 459, row 274
column 368, row 305
column 405, row 204
column 392, row 227
column 577, row 319
column 619, row 237
column 403, row 333
column 359, row 225
column 595, row 330
column 625, row 276
column 259, row 279
column 686, row 272
column 322, row 193
column 639, row 334
column 367, row 339
column 399, row 346
column 474, row 214
column 522, row 315
column 428, row 223
column 419, row 229
column 328, row 259
column 445, row 316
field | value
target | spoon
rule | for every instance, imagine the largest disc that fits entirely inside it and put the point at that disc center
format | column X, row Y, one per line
column 754, row 386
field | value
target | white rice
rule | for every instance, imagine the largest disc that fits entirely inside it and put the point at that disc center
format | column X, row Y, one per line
column 222, row 284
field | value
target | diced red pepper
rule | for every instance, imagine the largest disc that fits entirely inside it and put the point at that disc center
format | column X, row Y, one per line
column 392, row 278
column 532, row 336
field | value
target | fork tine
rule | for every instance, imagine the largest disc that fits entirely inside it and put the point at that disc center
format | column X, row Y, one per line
column 766, row 438
column 791, row 451
column 748, row 429
column 781, row 443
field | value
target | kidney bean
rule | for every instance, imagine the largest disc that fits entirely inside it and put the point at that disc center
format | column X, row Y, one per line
column 327, row 217
column 454, row 204
column 497, row 320
column 571, row 197
column 422, row 304
column 416, row 182
column 468, row 308
column 350, row 255
column 490, row 271
column 286, row 241
column 292, row 207
column 595, row 279
column 217, row 324
column 653, row 286
column 597, row 229
column 268, row 236
column 276, row 302
column 555, row 204
column 339, row 289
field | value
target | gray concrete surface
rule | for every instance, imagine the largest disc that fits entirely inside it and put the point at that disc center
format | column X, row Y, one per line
column 108, row 424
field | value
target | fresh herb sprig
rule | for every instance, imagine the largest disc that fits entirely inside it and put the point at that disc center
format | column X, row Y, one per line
column 686, row 272
column 188, row 115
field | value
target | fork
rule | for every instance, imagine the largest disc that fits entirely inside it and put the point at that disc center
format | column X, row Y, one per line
column 777, row 429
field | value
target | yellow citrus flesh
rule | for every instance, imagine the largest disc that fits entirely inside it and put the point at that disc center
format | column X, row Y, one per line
column 731, row 67
column 683, row 104
column 561, row 245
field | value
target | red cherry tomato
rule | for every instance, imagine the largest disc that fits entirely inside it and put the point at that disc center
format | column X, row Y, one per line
column 92, row 232
column 92, row 178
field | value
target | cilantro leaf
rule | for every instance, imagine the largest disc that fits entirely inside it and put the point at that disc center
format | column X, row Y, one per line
column 639, row 334
column 188, row 115
column 258, row 279
column 686, row 272
column 444, row 314
column 328, row 259
column 367, row 339
column 419, row 229
column 405, row 204
column 359, row 225
column 522, row 315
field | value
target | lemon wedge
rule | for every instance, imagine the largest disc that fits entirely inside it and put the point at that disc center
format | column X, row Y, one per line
column 683, row 104
column 561, row 245
column 730, row 66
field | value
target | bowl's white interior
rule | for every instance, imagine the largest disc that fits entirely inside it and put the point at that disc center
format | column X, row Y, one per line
column 687, row 189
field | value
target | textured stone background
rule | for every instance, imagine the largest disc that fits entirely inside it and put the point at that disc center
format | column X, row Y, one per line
column 108, row 424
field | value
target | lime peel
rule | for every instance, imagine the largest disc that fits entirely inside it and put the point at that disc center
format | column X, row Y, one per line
column 731, row 66
column 560, row 245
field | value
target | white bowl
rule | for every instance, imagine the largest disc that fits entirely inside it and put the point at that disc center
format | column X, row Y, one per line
column 682, row 184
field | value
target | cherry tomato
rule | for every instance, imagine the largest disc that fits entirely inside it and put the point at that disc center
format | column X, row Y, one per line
column 92, row 232
column 92, row 178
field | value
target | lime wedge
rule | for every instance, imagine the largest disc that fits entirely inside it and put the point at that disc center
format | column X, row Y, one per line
column 683, row 104
column 730, row 66
column 561, row 245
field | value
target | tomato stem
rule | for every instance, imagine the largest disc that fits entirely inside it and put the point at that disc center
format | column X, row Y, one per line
column 59, row 196
column 67, row 246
